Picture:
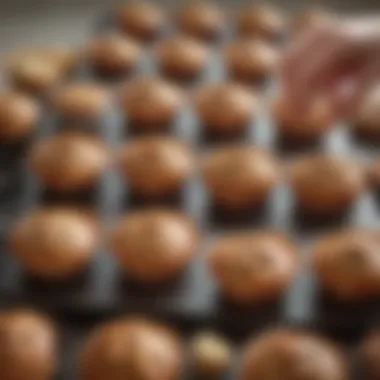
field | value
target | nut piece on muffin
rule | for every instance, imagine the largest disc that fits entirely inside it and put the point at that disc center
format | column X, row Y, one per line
column 212, row 355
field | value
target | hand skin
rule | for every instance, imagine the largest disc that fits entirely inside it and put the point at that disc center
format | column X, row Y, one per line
column 340, row 61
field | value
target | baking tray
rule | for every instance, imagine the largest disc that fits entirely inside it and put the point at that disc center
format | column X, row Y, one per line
column 74, row 331
column 193, row 297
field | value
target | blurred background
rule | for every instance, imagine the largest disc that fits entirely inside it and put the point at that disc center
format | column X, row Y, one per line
column 40, row 22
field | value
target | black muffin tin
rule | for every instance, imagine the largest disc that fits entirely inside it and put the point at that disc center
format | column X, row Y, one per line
column 193, row 297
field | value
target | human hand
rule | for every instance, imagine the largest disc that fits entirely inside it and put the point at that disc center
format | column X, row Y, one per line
column 338, row 61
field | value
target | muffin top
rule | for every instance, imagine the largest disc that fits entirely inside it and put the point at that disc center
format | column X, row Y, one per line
column 348, row 265
column 238, row 103
column 69, row 161
column 253, row 266
column 19, row 115
column 368, row 114
column 141, row 19
column 328, row 175
column 53, row 242
column 151, row 100
column 132, row 348
column 154, row 244
column 182, row 52
column 39, row 70
column 80, row 100
column 250, row 57
column 291, row 355
column 201, row 19
column 262, row 21
column 240, row 170
column 155, row 165
column 28, row 346
column 113, row 51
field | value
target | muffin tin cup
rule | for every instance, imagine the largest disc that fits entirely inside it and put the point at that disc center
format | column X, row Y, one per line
column 193, row 297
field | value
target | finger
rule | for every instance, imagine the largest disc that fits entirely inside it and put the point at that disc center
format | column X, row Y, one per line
column 348, row 97
column 310, row 79
column 318, row 73
column 309, row 74
column 297, row 51
column 303, row 47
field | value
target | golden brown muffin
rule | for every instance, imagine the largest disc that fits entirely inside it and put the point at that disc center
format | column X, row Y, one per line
column 308, row 127
column 39, row 70
column 80, row 101
column 250, row 60
column 69, row 162
column 19, row 116
column 374, row 173
column 54, row 243
column 113, row 54
column 291, row 355
column 65, row 59
column 253, row 267
column 310, row 19
column 28, row 346
column 239, row 177
column 326, row 185
column 226, row 108
column 347, row 264
column 370, row 356
column 201, row 19
column 141, row 19
column 261, row 21
column 133, row 349
column 151, row 103
column 212, row 355
column 154, row 245
column 156, row 166
column 366, row 121
column 182, row 57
